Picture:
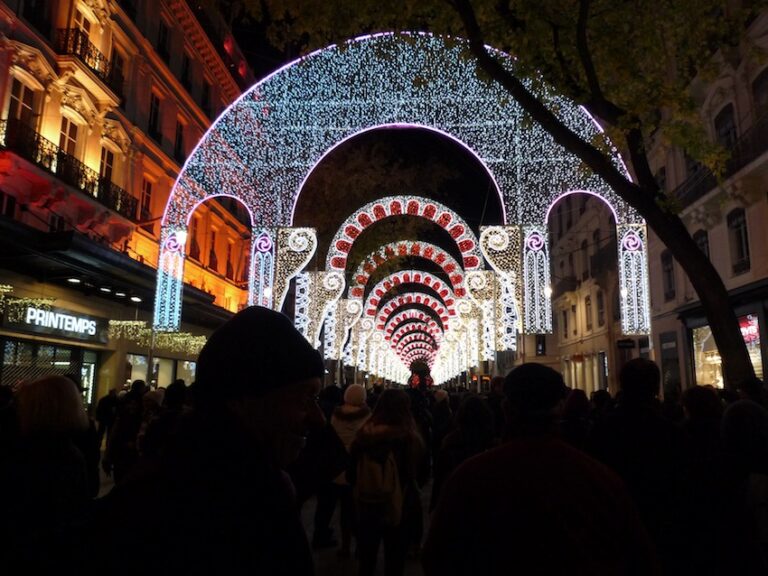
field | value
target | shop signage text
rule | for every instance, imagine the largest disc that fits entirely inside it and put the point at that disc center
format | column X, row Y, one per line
column 61, row 323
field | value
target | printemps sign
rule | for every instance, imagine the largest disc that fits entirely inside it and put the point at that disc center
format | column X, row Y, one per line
column 61, row 323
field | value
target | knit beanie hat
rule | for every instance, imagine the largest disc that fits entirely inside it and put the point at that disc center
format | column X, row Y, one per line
column 355, row 395
column 254, row 352
column 534, row 388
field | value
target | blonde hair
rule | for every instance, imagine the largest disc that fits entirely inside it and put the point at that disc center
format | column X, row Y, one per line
column 50, row 404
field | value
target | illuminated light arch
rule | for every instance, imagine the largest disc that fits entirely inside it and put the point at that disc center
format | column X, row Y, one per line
column 420, row 337
column 412, row 314
column 404, row 248
column 414, row 206
column 411, row 299
column 420, row 346
column 263, row 146
column 410, row 328
column 378, row 292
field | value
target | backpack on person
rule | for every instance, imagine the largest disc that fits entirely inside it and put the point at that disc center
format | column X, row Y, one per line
column 378, row 486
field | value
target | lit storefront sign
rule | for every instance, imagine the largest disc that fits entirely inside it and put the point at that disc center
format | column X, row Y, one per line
column 60, row 323
column 706, row 358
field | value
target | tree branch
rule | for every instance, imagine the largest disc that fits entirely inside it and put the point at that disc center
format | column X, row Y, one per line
column 577, row 91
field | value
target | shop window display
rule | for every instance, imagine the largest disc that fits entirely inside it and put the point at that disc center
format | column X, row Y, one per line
column 706, row 357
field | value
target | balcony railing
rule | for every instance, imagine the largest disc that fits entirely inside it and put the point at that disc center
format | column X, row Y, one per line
column 75, row 42
column 748, row 147
column 29, row 144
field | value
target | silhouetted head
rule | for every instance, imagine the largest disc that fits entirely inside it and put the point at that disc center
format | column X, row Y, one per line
column 702, row 404
column 256, row 351
column 50, row 405
column 393, row 409
column 138, row 387
column 264, row 376
column 744, row 431
column 640, row 380
column 533, row 391
column 355, row 395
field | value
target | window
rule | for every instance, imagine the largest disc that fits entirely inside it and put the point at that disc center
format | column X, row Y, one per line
column 584, row 260
column 596, row 239
column 583, row 204
column 83, row 24
column 117, row 74
column 107, row 163
column 154, row 117
column 186, row 67
column 725, row 127
column 56, row 223
column 7, row 205
column 738, row 240
column 194, row 245
column 22, row 107
column 760, row 93
column 565, row 324
column 205, row 98
column 230, row 268
column 691, row 166
column 600, row 308
column 573, row 315
column 588, row 311
column 702, row 241
column 541, row 344
column 162, row 40
column 178, row 142
column 213, row 261
column 68, row 136
column 145, row 207
column 668, row 275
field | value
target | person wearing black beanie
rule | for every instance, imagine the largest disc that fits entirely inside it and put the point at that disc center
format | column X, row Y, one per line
column 217, row 497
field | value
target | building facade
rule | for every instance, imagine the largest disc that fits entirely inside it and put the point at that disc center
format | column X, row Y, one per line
column 726, row 216
column 588, row 344
column 101, row 102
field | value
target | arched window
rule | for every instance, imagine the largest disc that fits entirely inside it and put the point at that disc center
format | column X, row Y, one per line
column 725, row 127
column 738, row 240
column 702, row 241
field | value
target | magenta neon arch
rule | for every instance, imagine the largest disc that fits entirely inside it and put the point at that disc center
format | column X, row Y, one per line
column 415, row 206
column 403, row 248
column 261, row 149
column 570, row 193
column 378, row 292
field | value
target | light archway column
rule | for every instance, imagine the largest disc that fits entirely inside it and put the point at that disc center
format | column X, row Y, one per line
column 295, row 248
column 537, row 292
column 316, row 297
column 170, row 279
column 261, row 280
column 481, row 287
column 633, row 278
column 501, row 247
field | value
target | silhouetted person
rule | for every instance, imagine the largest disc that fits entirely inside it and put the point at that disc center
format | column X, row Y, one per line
column 390, row 432
column 44, row 482
column 576, row 422
column 218, row 501
column 648, row 452
column 106, row 412
column 122, row 451
column 474, row 433
column 495, row 399
column 754, row 389
column 535, row 505
column 347, row 420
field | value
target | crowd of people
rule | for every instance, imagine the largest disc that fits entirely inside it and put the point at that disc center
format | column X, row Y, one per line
column 530, row 477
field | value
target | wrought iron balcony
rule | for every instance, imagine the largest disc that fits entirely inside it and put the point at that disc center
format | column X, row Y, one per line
column 745, row 149
column 75, row 42
column 29, row 144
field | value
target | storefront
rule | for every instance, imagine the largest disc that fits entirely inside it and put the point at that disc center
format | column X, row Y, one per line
column 707, row 364
column 164, row 370
column 37, row 341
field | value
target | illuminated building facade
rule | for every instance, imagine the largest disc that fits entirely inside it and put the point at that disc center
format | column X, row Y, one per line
column 726, row 218
column 101, row 103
